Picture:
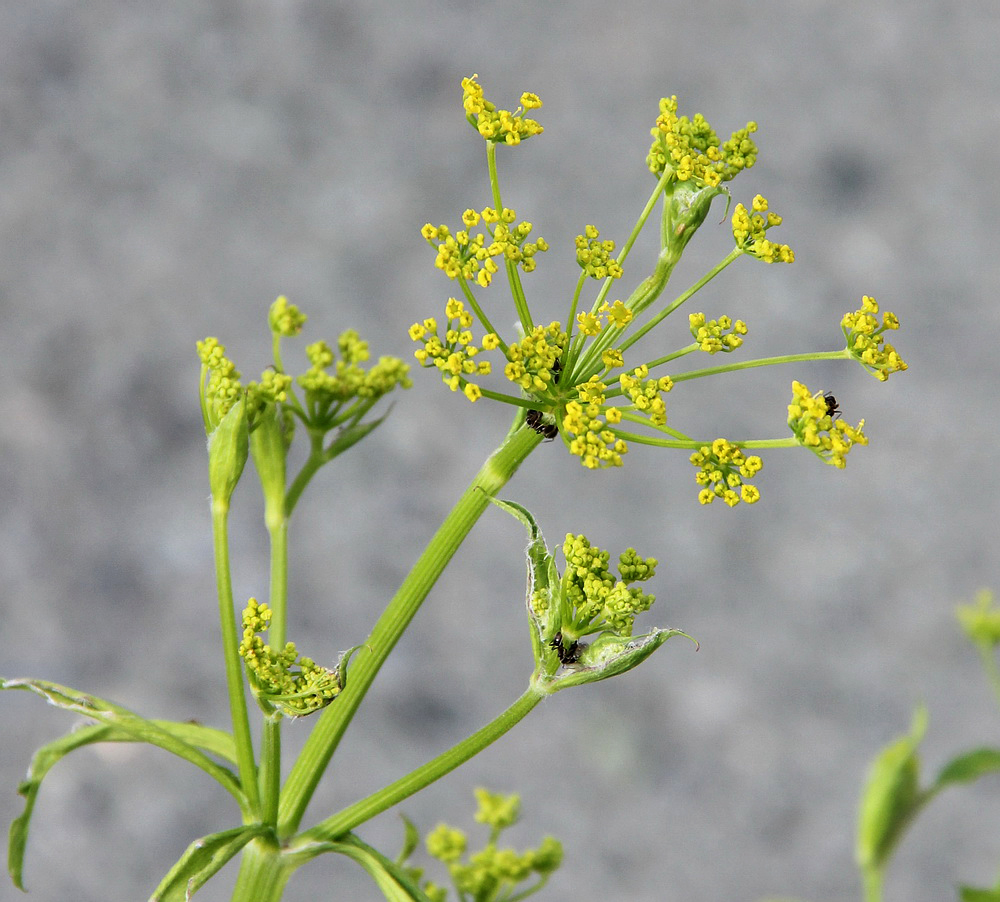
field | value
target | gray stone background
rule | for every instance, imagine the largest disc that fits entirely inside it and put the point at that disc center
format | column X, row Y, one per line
column 168, row 168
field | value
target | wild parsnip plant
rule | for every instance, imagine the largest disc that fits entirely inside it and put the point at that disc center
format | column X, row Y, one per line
column 583, row 380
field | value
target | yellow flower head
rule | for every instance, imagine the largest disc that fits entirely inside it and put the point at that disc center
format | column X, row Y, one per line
column 691, row 148
column 722, row 469
column 722, row 334
column 498, row 126
column 595, row 256
column 865, row 335
column 815, row 425
column 749, row 232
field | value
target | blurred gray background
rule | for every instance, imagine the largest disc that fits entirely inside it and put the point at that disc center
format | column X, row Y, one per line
column 167, row 169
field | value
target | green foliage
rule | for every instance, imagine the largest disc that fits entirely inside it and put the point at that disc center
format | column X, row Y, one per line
column 893, row 796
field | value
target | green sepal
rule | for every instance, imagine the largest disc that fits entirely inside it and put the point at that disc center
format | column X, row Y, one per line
column 228, row 447
column 269, row 450
column 203, row 859
column 685, row 207
column 608, row 656
column 891, row 798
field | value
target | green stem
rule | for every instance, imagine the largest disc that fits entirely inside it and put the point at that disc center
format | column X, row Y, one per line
column 270, row 753
column 670, row 308
column 325, row 736
column 843, row 354
column 695, row 443
column 988, row 658
column 644, row 215
column 230, row 650
column 365, row 809
column 309, row 468
column 872, row 879
column 263, row 874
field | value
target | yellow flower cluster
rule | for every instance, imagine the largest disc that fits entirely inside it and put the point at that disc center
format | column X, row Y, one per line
column 469, row 257
column 645, row 393
column 296, row 686
column 866, row 341
column 816, row 427
column 285, row 319
column 496, row 810
column 499, row 126
column 454, row 354
column 616, row 315
column 723, row 467
column 531, row 363
column 594, row 255
column 714, row 335
column 591, row 440
column 223, row 388
column 272, row 388
column 597, row 600
column 349, row 380
column 749, row 229
column 690, row 147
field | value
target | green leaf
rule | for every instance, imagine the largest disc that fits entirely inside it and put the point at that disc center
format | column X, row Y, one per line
column 390, row 877
column 180, row 739
column 891, row 798
column 208, row 738
column 967, row 767
column 41, row 764
column 971, row 894
column 203, row 859
column 411, row 840
column 351, row 435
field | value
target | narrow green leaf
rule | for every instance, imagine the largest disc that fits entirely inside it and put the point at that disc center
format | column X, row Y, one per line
column 180, row 739
column 41, row 763
column 392, row 879
column 351, row 435
column 203, row 859
column 208, row 738
column 967, row 767
column 411, row 839
column 891, row 798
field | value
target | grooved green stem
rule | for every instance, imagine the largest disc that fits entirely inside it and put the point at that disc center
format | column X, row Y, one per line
column 263, row 874
column 326, row 735
column 365, row 809
column 230, row 650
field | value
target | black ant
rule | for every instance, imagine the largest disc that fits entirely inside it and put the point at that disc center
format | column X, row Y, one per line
column 832, row 407
column 567, row 654
column 535, row 419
